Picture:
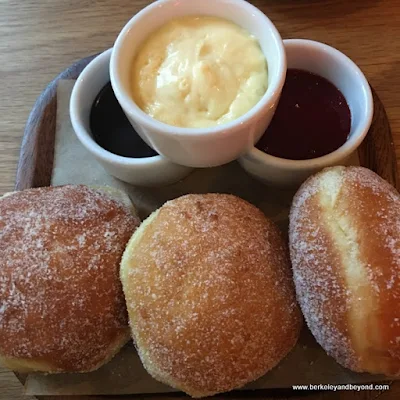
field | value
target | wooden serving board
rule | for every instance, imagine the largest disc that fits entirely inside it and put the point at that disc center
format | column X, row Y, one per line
column 35, row 165
column 37, row 153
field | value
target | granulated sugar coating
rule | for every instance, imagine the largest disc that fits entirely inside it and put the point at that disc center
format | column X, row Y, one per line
column 61, row 302
column 209, row 292
column 345, row 250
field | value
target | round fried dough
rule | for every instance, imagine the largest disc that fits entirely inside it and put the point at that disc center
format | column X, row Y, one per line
column 209, row 293
column 345, row 250
column 61, row 303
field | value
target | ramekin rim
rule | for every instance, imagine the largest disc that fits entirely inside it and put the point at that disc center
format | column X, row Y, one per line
column 349, row 146
column 85, row 137
column 144, row 119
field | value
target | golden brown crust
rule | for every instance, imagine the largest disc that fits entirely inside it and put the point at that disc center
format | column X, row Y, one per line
column 61, row 303
column 209, row 293
column 345, row 249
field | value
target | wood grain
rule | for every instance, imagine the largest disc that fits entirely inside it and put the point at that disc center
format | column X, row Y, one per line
column 39, row 38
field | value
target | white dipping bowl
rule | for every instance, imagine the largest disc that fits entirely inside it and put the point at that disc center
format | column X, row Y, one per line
column 333, row 65
column 200, row 147
column 147, row 171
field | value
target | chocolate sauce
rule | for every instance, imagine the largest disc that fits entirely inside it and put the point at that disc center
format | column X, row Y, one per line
column 312, row 119
column 112, row 130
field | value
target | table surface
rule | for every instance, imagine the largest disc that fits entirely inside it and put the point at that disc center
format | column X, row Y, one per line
column 39, row 38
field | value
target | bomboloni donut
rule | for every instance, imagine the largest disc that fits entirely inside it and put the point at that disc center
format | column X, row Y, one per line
column 209, row 293
column 61, row 302
column 345, row 251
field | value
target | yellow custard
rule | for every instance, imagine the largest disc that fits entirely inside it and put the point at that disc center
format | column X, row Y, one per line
column 199, row 71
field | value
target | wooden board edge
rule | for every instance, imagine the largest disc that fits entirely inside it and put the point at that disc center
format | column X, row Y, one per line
column 35, row 163
column 377, row 152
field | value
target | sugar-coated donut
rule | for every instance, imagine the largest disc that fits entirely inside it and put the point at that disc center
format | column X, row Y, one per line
column 345, row 251
column 61, row 302
column 209, row 293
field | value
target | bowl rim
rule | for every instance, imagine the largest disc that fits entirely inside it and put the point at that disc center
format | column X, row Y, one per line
column 146, row 120
column 350, row 145
column 75, row 110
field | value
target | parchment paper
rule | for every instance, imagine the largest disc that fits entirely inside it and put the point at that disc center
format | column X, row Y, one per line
column 306, row 364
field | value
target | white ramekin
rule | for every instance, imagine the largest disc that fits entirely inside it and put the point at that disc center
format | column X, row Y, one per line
column 333, row 65
column 209, row 146
column 148, row 171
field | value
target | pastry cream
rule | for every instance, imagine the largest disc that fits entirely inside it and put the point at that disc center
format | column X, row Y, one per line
column 199, row 71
